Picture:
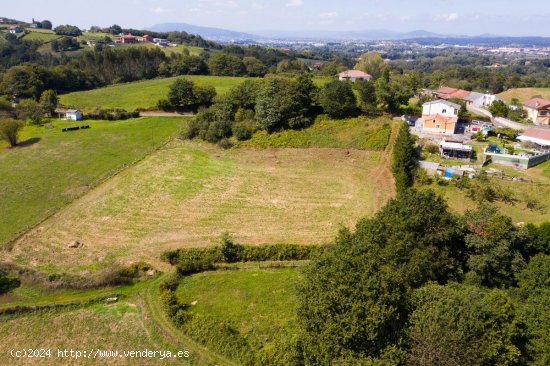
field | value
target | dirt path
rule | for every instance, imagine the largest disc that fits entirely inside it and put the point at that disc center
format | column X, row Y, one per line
column 382, row 173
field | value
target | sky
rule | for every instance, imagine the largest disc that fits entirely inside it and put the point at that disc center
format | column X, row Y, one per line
column 468, row 17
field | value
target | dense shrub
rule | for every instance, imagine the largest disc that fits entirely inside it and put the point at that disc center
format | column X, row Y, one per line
column 112, row 114
column 7, row 282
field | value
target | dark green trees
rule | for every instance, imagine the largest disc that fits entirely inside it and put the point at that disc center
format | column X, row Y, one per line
column 463, row 325
column 185, row 95
column 354, row 296
column 337, row 99
column 403, row 159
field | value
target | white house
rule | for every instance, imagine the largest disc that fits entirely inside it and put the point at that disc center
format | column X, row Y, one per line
column 354, row 75
column 73, row 114
column 441, row 107
column 480, row 100
column 538, row 136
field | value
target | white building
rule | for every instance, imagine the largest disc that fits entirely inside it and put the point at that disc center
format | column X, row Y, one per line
column 354, row 75
column 73, row 114
column 480, row 100
column 441, row 107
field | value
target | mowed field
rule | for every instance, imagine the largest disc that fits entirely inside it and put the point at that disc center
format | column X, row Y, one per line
column 188, row 193
column 119, row 327
column 140, row 94
column 524, row 94
column 50, row 168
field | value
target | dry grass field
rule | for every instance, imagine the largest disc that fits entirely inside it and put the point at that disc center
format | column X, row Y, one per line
column 188, row 194
column 122, row 326
column 524, row 94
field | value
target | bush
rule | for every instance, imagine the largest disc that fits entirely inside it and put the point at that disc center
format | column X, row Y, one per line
column 9, row 130
column 431, row 148
column 7, row 282
column 243, row 130
column 225, row 143
column 112, row 114
column 230, row 250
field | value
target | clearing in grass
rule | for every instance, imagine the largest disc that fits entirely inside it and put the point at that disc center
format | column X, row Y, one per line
column 187, row 194
column 140, row 94
column 50, row 167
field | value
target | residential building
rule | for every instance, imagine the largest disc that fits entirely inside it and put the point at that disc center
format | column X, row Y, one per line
column 14, row 29
column 148, row 38
column 538, row 136
column 439, row 117
column 445, row 92
column 74, row 114
column 354, row 75
column 480, row 100
column 128, row 39
column 538, row 111
column 441, row 107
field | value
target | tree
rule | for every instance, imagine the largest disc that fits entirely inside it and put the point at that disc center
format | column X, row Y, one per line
column 403, row 159
column 496, row 248
column 46, row 24
column 371, row 63
column 184, row 94
column 499, row 109
column 31, row 110
column 540, row 237
column 367, row 96
column 115, row 29
column 283, row 103
column 353, row 300
column 9, row 130
column 226, row 65
column 337, row 99
column 254, row 67
column 48, row 101
column 463, row 111
column 463, row 325
column 67, row 30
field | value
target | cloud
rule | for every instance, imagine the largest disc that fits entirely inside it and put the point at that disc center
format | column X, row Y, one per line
column 159, row 10
column 328, row 15
column 451, row 17
column 295, row 3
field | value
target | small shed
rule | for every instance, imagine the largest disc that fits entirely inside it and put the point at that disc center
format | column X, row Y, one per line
column 74, row 114
column 455, row 150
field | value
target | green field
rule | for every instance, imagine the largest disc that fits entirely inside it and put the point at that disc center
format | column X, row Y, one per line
column 43, row 35
column 51, row 168
column 187, row 194
column 353, row 133
column 141, row 94
column 242, row 313
column 524, row 94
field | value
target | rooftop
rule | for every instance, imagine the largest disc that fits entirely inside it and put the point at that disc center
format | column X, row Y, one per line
column 450, row 104
column 536, row 133
column 537, row 103
column 354, row 74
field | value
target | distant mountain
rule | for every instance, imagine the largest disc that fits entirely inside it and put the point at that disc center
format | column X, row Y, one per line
column 216, row 34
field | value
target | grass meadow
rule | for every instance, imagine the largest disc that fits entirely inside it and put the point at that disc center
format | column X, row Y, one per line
column 50, row 168
column 242, row 313
column 140, row 94
column 43, row 35
column 353, row 133
column 123, row 326
column 188, row 193
column 524, row 94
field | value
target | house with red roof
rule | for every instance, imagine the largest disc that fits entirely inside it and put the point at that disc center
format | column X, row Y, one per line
column 538, row 111
column 354, row 75
column 445, row 92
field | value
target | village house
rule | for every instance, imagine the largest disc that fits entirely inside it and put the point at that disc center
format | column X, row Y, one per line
column 538, row 111
column 354, row 75
column 439, row 117
column 14, row 29
column 147, row 38
column 539, row 137
column 480, row 100
column 74, row 114
column 128, row 39
column 445, row 92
